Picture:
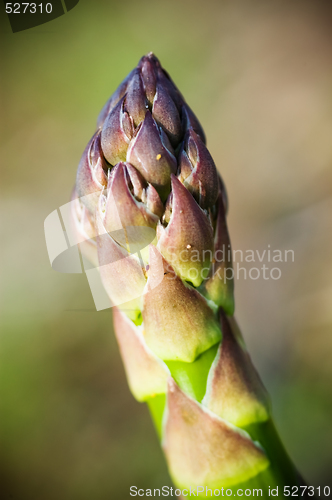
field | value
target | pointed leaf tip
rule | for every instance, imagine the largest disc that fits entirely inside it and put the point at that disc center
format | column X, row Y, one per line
column 187, row 241
column 165, row 113
column 121, row 204
column 116, row 134
column 202, row 180
column 135, row 99
column 149, row 154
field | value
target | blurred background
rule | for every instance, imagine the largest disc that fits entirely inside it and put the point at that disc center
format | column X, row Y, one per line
column 258, row 74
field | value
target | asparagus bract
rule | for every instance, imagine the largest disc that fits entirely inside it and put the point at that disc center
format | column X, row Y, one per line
column 149, row 188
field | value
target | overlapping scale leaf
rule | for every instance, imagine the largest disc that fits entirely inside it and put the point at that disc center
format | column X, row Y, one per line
column 203, row 449
column 219, row 286
column 91, row 175
column 116, row 265
column 187, row 241
column 116, row 133
column 234, row 389
column 198, row 171
column 147, row 375
column 152, row 155
column 178, row 322
column 132, row 203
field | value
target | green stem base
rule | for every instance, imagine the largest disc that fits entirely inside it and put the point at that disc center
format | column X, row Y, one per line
column 191, row 378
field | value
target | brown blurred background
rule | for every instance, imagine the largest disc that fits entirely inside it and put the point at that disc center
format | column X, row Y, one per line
column 258, row 74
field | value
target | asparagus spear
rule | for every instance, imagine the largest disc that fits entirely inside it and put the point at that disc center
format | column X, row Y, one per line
column 150, row 189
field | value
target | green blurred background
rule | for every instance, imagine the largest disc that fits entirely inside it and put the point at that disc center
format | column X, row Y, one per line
column 259, row 76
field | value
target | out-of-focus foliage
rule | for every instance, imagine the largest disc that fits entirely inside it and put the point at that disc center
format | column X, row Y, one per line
column 259, row 77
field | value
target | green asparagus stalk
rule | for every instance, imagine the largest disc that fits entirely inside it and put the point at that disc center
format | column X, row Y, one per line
column 149, row 188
